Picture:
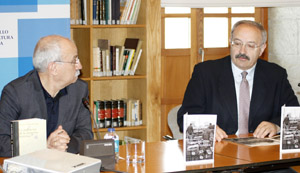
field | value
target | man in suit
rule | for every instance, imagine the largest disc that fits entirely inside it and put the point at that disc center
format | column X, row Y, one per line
column 215, row 86
column 51, row 91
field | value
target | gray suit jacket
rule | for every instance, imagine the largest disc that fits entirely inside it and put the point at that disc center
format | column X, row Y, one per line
column 211, row 90
column 23, row 98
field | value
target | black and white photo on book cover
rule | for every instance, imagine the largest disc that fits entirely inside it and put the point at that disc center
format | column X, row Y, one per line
column 199, row 138
column 290, row 129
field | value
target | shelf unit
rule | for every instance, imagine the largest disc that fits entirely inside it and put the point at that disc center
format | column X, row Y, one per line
column 145, row 85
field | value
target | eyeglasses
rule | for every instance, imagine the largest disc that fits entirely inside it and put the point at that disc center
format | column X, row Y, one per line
column 248, row 46
column 75, row 61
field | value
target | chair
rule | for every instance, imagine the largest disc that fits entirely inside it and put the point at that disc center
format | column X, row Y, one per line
column 172, row 122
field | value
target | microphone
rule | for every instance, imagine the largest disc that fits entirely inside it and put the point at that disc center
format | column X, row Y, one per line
column 87, row 105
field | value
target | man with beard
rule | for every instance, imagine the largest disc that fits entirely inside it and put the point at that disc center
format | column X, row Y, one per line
column 215, row 87
column 51, row 91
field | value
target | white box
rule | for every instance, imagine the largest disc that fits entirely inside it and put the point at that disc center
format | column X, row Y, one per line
column 52, row 161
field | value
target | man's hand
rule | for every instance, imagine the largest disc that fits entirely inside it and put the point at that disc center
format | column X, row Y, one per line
column 220, row 134
column 265, row 128
column 58, row 139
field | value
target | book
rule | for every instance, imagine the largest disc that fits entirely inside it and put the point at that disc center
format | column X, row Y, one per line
column 28, row 135
column 119, row 59
column 84, row 12
column 135, row 63
column 134, row 20
column 96, row 61
column 129, row 61
column 131, row 43
column 136, row 57
column 199, row 138
column 290, row 129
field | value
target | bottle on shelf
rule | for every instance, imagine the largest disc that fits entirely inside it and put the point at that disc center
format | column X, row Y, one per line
column 111, row 134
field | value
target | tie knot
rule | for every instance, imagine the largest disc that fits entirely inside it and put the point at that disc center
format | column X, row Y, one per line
column 244, row 74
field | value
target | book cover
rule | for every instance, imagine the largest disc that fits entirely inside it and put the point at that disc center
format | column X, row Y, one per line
column 119, row 56
column 135, row 17
column 131, row 43
column 117, row 11
column 199, row 138
column 135, row 58
column 28, row 135
column 96, row 61
column 125, row 10
column 103, row 44
column 290, row 129
column 135, row 64
column 129, row 61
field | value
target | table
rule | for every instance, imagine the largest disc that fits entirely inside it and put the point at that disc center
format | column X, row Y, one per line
column 167, row 156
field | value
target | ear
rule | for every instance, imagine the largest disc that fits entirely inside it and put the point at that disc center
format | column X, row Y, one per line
column 262, row 49
column 52, row 68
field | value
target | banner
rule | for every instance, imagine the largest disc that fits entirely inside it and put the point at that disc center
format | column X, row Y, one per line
column 22, row 24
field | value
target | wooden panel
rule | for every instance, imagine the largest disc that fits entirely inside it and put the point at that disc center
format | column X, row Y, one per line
column 215, row 53
column 153, row 69
column 109, row 89
column 176, row 76
column 174, row 79
column 81, row 37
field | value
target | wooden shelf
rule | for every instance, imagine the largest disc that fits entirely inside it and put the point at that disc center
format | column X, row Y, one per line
column 122, row 128
column 145, row 85
column 119, row 77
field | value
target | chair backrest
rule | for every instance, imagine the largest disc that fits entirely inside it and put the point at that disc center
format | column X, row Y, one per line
column 172, row 122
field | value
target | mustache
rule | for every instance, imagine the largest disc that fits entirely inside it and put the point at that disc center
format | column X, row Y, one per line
column 242, row 56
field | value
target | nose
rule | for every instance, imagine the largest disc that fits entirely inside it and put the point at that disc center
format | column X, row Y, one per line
column 243, row 48
column 78, row 65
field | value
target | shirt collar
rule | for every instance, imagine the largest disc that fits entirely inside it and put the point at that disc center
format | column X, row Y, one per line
column 237, row 71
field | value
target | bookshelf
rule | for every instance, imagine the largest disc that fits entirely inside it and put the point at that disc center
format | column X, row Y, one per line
column 144, row 85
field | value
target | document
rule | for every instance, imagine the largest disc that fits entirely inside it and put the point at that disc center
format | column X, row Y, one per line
column 253, row 141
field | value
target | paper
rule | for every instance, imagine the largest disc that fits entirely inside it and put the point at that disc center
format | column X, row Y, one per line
column 253, row 141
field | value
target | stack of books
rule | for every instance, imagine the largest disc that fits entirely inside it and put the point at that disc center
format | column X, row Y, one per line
column 118, row 113
column 116, row 60
column 105, row 12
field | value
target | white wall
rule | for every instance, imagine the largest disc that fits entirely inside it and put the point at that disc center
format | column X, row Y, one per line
column 284, row 42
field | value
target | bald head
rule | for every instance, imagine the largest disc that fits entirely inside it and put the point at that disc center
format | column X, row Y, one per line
column 49, row 49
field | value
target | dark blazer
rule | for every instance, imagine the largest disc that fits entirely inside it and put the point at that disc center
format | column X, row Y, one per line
column 211, row 90
column 24, row 98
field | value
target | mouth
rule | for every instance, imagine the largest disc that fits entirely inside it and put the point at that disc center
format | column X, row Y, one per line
column 242, row 57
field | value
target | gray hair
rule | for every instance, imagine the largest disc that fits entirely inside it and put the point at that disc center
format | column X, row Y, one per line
column 46, row 50
column 251, row 23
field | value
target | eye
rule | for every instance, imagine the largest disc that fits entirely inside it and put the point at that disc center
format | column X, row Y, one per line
column 251, row 45
column 237, row 43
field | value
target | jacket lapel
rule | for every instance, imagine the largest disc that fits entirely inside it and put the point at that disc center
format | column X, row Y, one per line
column 39, row 95
column 227, row 89
column 258, row 92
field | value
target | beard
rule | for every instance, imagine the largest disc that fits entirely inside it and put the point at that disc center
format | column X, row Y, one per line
column 240, row 55
column 77, row 73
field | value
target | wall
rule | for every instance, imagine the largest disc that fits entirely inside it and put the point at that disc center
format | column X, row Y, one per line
column 284, row 42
